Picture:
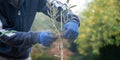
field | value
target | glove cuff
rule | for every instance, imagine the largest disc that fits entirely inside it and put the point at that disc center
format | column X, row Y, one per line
column 41, row 36
column 74, row 21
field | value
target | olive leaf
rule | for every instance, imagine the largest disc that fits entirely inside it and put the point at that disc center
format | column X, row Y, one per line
column 68, row 1
column 73, row 6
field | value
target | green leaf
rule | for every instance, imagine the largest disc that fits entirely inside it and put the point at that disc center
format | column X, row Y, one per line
column 73, row 6
column 68, row 1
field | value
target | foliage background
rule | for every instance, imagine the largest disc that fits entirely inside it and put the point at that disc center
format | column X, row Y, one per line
column 100, row 26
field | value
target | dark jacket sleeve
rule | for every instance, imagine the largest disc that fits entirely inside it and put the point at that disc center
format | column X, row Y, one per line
column 15, row 38
column 61, row 8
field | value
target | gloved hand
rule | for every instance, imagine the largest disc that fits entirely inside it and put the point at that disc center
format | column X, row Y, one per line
column 47, row 38
column 70, row 30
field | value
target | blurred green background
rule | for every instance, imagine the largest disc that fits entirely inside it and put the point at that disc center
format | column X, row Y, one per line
column 99, row 37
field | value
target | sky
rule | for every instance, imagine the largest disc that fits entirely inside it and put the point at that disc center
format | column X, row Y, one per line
column 81, row 5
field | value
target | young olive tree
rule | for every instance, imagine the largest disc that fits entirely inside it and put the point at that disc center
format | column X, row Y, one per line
column 56, row 26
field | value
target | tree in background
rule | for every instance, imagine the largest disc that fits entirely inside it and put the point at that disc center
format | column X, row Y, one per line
column 100, row 30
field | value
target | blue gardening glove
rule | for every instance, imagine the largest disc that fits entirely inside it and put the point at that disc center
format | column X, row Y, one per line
column 47, row 38
column 70, row 30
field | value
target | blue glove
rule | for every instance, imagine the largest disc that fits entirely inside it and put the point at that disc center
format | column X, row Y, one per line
column 47, row 38
column 70, row 30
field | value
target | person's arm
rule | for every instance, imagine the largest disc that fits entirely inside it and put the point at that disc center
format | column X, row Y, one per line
column 16, row 38
column 24, row 39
